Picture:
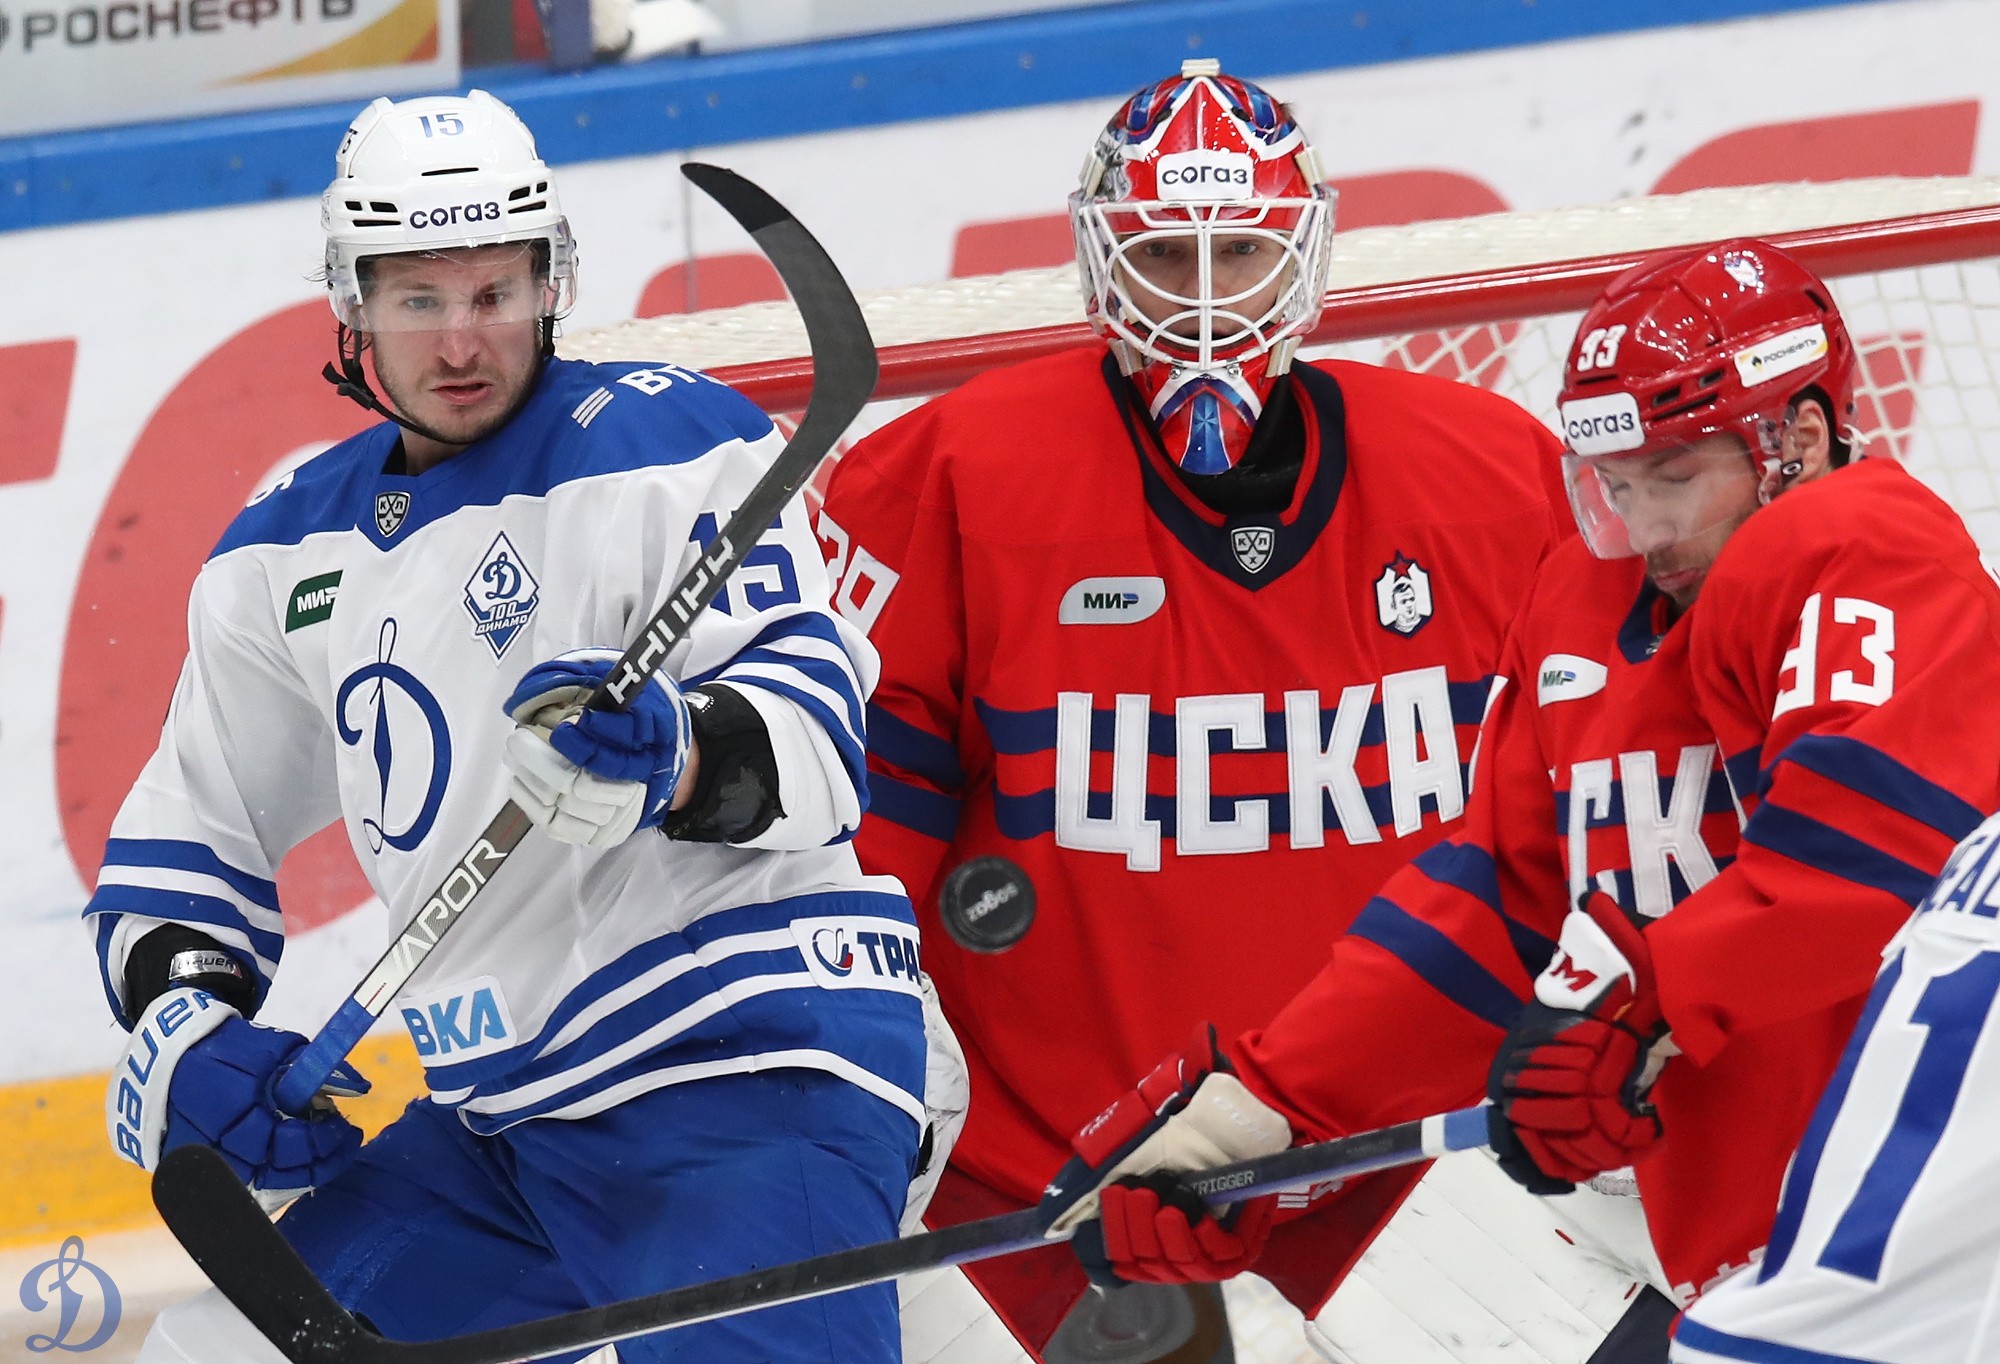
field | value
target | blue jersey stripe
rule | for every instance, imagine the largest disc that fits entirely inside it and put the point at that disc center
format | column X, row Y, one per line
column 511, row 1069
column 1473, row 870
column 1863, row 768
column 1746, row 774
column 107, row 924
column 181, row 907
column 1812, row 1146
column 845, row 742
column 543, row 448
column 1751, row 1351
column 916, row 751
column 927, row 812
column 1442, row 963
column 1827, row 849
column 1715, row 801
column 767, row 649
column 182, row 855
column 878, row 1030
column 823, row 672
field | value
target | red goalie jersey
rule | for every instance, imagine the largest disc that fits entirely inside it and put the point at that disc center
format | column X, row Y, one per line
column 1830, row 697
column 1205, row 740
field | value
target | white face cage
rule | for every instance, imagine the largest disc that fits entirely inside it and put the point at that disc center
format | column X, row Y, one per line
column 1205, row 329
column 344, row 278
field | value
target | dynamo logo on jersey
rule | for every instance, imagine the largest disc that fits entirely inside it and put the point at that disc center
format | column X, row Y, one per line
column 501, row 595
column 387, row 715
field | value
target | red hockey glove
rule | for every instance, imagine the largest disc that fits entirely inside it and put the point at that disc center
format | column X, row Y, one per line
column 1569, row 1084
column 1153, row 1229
column 1191, row 1113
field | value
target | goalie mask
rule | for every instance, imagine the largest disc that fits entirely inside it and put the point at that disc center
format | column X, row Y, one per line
column 1201, row 232
column 1680, row 396
column 453, row 181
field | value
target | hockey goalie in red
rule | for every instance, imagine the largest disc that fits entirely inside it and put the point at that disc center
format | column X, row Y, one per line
column 1198, row 634
column 1741, row 798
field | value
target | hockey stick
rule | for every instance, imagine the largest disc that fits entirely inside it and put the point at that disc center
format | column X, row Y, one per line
column 246, row 1257
column 844, row 371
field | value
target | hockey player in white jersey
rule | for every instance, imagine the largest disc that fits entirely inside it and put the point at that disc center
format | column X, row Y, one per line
column 1886, row 1247
column 682, row 1036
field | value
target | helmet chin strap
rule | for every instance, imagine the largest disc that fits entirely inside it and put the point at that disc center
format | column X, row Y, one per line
column 350, row 380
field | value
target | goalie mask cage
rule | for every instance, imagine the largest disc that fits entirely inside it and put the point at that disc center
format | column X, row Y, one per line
column 1493, row 300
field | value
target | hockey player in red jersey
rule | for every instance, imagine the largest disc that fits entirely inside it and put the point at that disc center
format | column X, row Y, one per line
column 1198, row 634
column 1741, row 798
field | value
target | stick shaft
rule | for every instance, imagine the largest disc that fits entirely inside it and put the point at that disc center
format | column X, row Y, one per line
column 243, row 1254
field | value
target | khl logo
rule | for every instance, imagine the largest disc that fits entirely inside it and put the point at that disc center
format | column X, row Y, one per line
column 59, row 1283
column 390, row 511
column 396, row 692
column 501, row 595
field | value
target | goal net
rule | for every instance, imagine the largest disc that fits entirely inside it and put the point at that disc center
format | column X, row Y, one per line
column 1493, row 301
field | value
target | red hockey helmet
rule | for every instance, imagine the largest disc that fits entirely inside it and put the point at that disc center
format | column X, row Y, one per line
column 1720, row 341
column 1201, row 231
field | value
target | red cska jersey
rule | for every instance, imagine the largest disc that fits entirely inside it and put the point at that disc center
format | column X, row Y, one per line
column 1833, row 688
column 1206, row 740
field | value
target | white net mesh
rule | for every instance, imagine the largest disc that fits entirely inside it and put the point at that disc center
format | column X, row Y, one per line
column 1929, row 391
column 1927, row 334
column 988, row 304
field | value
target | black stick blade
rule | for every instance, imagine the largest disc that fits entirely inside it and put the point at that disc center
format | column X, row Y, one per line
column 215, row 1218
column 845, row 366
column 747, row 203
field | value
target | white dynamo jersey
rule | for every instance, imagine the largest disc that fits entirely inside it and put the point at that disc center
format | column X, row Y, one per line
column 351, row 641
column 1886, row 1248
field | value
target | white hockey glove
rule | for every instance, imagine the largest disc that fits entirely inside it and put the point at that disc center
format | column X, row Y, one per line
column 588, row 776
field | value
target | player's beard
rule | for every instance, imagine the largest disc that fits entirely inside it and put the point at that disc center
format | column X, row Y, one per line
column 460, row 403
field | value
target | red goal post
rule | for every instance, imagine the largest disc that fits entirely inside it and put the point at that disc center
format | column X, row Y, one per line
column 1492, row 300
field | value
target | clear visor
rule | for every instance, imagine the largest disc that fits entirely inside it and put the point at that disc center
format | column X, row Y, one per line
column 1649, row 500
column 1198, row 284
column 482, row 286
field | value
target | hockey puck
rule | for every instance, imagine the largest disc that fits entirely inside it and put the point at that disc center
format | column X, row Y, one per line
column 987, row 903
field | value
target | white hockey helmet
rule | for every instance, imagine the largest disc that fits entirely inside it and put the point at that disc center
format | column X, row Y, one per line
column 435, row 174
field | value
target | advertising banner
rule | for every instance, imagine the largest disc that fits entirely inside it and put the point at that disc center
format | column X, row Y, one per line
column 84, row 63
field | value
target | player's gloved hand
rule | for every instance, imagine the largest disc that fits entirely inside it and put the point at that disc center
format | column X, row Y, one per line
column 1191, row 1113
column 594, row 776
column 1154, row 1229
column 1569, row 1083
column 195, row 1070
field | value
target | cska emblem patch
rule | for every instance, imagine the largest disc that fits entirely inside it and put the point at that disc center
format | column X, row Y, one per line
column 1252, row 546
column 1403, row 596
column 501, row 595
column 390, row 509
